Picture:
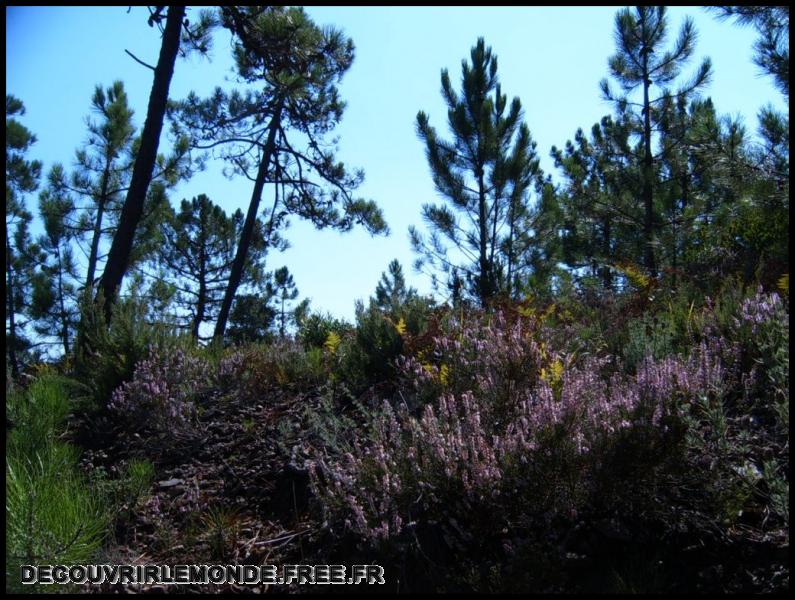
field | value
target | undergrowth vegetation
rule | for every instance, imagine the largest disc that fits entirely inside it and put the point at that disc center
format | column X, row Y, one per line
column 499, row 437
column 52, row 516
column 455, row 445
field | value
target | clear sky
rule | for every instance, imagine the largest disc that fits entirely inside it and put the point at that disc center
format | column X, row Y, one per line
column 551, row 57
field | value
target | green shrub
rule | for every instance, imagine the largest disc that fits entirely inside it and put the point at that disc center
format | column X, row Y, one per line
column 648, row 336
column 112, row 351
column 369, row 356
column 37, row 413
column 138, row 478
column 52, row 516
column 254, row 371
column 315, row 329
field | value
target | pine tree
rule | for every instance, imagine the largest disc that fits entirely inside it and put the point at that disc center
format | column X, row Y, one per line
column 599, row 217
column 103, row 169
column 765, row 237
column 251, row 318
column 296, row 67
column 22, row 177
column 685, row 131
column 197, row 257
column 771, row 50
column 640, row 62
column 484, row 173
column 391, row 291
column 283, row 290
column 54, row 299
column 102, row 175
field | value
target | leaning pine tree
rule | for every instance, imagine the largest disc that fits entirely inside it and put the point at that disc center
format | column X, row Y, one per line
column 179, row 36
column 274, row 132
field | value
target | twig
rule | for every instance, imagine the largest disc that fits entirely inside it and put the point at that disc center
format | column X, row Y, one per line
column 138, row 60
column 282, row 538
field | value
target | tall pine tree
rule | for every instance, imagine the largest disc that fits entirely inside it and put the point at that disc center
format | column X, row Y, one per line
column 640, row 63
column 54, row 299
column 599, row 218
column 484, row 173
column 175, row 39
column 103, row 170
column 22, row 177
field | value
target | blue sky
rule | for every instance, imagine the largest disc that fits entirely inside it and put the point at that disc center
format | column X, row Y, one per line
column 551, row 57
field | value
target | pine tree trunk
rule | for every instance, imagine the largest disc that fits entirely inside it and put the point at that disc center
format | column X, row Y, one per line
column 197, row 320
column 94, row 253
column 92, row 257
column 512, row 219
column 236, row 273
column 607, row 277
column 685, row 200
column 12, row 326
column 119, row 255
column 281, row 320
column 484, row 287
column 62, row 305
column 648, row 200
column 202, row 300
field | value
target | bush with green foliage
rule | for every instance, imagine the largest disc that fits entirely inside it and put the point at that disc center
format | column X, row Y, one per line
column 52, row 515
column 369, row 355
column 316, row 327
column 111, row 351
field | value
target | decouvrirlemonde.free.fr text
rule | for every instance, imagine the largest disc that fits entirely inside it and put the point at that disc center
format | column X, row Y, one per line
column 202, row 574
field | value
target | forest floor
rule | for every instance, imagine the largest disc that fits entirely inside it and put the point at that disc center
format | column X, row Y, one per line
column 227, row 495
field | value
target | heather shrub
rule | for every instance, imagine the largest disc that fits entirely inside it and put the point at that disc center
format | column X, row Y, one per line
column 112, row 350
column 737, row 441
column 764, row 323
column 483, row 354
column 516, row 426
column 763, row 328
column 758, row 328
column 163, row 392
